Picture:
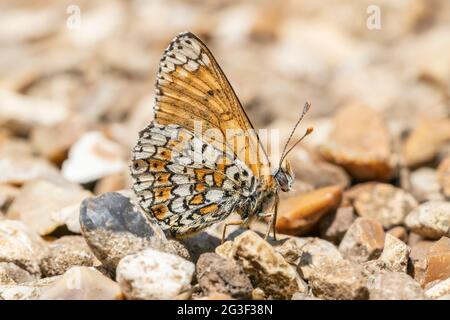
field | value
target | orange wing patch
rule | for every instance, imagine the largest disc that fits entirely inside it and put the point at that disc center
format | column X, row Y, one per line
column 159, row 211
column 197, row 199
column 157, row 165
column 162, row 194
column 209, row 209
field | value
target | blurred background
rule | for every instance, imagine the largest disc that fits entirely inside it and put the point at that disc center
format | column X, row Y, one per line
column 76, row 77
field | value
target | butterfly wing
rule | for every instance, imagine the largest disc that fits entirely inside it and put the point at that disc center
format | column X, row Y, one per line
column 184, row 183
column 191, row 88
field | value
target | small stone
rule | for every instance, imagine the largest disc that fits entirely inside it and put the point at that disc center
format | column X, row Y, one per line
column 224, row 250
column 423, row 144
column 217, row 275
column 20, row 245
column 114, row 228
column 62, row 136
column 395, row 286
column 12, row 274
column 430, row 220
column 399, row 232
column 92, row 157
column 335, row 225
column 395, row 254
column 200, row 243
column 360, row 143
column 385, row 203
column 443, row 176
column 320, row 174
column 424, row 185
column 314, row 254
column 300, row 214
column 152, row 274
column 438, row 261
column 45, row 206
column 291, row 249
column 418, row 257
column 18, row 170
column 375, row 267
column 344, row 280
column 363, row 241
column 81, row 283
column 438, row 289
column 27, row 290
column 266, row 268
column 65, row 253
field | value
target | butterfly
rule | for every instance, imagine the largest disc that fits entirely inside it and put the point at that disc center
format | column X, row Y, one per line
column 187, row 181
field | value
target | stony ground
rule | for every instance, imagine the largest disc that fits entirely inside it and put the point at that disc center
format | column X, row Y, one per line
column 370, row 215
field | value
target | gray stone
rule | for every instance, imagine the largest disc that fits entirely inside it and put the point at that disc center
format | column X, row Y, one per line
column 430, row 220
column 394, row 286
column 219, row 275
column 335, row 225
column 114, row 228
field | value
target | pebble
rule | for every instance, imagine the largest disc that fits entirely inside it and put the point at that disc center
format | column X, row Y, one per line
column 443, row 176
column 25, row 291
column 81, row 283
column 300, row 214
column 334, row 226
column 438, row 261
column 395, row 286
column 385, row 203
column 395, row 254
column 320, row 174
column 114, row 228
column 424, row 185
column 20, row 245
column 363, row 241
column 343, row 280
column 10, row 273
column 399, row 232
column 430, row 220
column 152, row 274
column 45, row 206
column 92, row 157
column 217, row 275
column 314, row 254
column 418, row 258
column 438, row 289
column 266, row 268
column 360, row 143
column 64, row 253
column 425, row 141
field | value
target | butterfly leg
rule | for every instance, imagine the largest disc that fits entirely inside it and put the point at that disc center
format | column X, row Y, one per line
column 273, row 221
column 231, row 223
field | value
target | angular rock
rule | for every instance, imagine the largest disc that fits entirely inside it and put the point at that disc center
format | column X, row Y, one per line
column 314, row 254
column 81, row 283
column 363, row 241
column 395, row 254
column 20, row 245
column 395, row 286
column 45, row 206
column 266, row 268
column 438, row 261
column 430, row 220
column 344, row 280
column 438, row 289
column 443, row 176
column 291, row 249
column 334, row 226
column 423, row 144
column 224, row 250
column 92, row 157
column 200, row 243
column 25, row 291
column 418, row 257
column 12, row 274
column 114, row 228
column 65, row 253
column 217, row 275
column 360, row 143
column 152, row 274
column 300, row 214
column 425, row 185
column 385, row 203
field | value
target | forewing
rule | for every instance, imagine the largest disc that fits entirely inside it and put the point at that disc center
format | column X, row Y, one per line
column 192, row 87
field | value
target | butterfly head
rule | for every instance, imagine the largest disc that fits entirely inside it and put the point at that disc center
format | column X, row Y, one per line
column 285, row 176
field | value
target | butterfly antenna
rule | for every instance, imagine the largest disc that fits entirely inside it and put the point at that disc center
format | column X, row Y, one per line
column 308, row 131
